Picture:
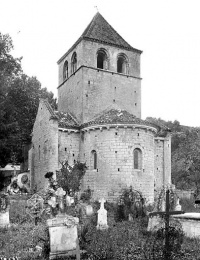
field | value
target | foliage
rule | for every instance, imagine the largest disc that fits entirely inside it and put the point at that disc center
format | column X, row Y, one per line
column 130, row 202
column 188, row 205
column 185, row 147
column 86, row 195
column 22, row 241
column 19, row 99
column 186, row 162
column 155, row 247
column 10, row 68
column 119, row 242
column 69, row 177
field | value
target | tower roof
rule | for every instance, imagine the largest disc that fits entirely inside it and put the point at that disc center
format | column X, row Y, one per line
column 99, row 30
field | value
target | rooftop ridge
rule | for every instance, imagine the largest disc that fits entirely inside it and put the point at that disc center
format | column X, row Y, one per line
column 100, row 30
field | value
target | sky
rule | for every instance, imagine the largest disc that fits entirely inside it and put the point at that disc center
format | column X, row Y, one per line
column 167, row 31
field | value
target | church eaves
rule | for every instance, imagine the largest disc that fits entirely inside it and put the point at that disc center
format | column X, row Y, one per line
column 99, row 30
column 117, row 116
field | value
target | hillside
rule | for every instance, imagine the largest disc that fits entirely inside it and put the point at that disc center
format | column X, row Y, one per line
column 185, row 154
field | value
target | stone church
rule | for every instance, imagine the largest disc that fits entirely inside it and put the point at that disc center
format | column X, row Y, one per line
column 99, row 119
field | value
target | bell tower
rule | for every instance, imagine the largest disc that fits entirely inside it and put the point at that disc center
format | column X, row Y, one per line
column 99, row 71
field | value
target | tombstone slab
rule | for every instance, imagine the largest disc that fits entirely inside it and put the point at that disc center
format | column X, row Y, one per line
column 4, row 219
column 4, row 211
column 63, row 236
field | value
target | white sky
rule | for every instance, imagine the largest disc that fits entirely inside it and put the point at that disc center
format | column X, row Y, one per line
column 167, row 31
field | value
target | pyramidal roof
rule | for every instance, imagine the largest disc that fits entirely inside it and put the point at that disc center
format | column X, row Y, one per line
column 100, row 30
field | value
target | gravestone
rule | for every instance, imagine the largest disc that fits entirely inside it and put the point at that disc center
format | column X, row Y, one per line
column 178, row 206
column 60, row 193
column 102, row 216
column 63, row 236
column 4, row 211
column 35, row 207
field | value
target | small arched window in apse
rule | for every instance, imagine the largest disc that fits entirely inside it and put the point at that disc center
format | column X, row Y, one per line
column 122, row 64
column 102, row 60
column 137, row 158
column 94, row 160
column 74, row 62
column 65, row 70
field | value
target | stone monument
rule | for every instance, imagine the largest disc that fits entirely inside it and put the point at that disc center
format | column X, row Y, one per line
column 102, row 216
column 63, row 232
column 63, row 236
column 4, row 211
column 178, row 206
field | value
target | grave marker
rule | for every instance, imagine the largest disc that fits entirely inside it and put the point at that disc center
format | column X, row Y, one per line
column 4, row 211
column 60, row 193
column 166, row 214
column 63, row 236
column 35, row 207
column 102, row 216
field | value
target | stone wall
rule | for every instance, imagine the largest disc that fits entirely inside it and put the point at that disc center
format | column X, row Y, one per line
column 87, row 55
column 69, row 145
column 162, row 161
column 89, row 90
column 44, row 145
column 115, row 168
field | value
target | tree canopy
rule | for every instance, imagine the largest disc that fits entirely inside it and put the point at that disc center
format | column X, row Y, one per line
column 19, row 100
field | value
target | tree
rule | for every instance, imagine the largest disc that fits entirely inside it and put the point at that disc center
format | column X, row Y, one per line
column 186, row 161
column 19, row 100
column 10, row 68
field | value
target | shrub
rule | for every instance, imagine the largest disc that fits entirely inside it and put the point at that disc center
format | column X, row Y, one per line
column 21, row 240
column 119, row 242
column 188, row 205
column 130, row 202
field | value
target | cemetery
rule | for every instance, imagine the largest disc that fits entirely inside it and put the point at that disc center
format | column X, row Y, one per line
column 96, row 182
column 62, row 223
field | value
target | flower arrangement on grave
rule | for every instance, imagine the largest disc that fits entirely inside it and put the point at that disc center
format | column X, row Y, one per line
column 62, row 192
column 4, row 202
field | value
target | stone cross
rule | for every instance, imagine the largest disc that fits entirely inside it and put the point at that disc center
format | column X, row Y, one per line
column 102, row 201
column 60, row 193
column 102, row 216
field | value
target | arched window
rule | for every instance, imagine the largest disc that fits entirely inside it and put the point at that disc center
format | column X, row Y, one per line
column 65, row 70
column 102, row 60
column 137, row 158
column 74, row 62
column 94, row 160
column 122, row 64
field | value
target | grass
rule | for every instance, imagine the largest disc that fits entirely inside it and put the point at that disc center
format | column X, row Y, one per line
column 122, row 241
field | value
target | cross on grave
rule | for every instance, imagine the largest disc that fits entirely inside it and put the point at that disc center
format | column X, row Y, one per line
column 102, row 201
column 102, row 216
column 166, row 215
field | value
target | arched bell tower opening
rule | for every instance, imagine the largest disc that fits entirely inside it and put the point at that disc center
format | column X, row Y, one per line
column 102, row 59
